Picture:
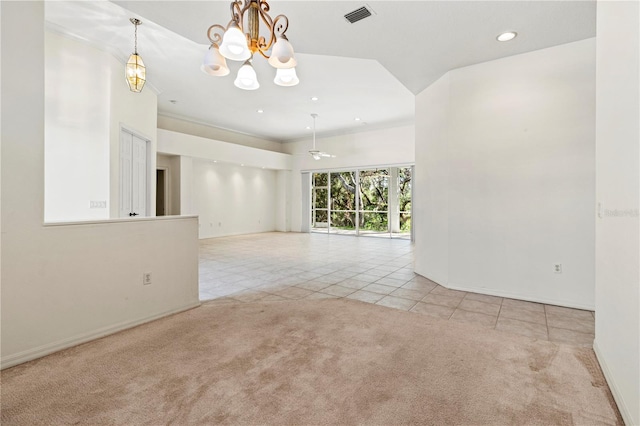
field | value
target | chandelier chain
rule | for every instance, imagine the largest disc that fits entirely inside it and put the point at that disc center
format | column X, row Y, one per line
column 135, row 23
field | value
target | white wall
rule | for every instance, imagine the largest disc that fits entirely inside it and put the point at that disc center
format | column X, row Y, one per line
column 617, row 289
column 232, row 200
column 205, row 131
column 76, row 129
column 518, row 138
column 283, row 203
column 175, row 143
column 62, row 285
column 82, row 131
column 392, row 146
column 430, row 217
column 234, row 189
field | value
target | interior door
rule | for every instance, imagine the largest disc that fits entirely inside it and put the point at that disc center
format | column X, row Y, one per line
column 133, row 175
column 138, row 176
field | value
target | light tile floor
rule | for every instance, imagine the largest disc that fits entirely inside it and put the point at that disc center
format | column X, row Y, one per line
column 281, row 266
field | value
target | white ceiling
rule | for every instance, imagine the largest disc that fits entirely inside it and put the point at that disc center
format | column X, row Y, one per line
column 370, row 69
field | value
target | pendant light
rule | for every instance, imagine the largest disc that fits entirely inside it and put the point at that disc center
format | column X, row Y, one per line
column 135, row 71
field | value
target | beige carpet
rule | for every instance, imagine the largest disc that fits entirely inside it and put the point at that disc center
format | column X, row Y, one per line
column 309, row 362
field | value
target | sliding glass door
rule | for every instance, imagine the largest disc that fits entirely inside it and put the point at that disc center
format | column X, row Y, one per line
column 373, row 193
column 343, row 202
column 368, row 202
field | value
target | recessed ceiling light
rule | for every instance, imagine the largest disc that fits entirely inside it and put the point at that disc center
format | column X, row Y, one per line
column 260, row 111
column 308, row 127
column 241, row 165
column 357, row 119
column 314, row 98
column 510, row 35
column 215, row 161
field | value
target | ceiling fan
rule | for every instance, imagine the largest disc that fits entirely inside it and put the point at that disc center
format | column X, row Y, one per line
column 314, row 152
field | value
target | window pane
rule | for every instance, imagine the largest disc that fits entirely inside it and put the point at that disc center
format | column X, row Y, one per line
column 320, row 179
column 343, row 220
column 405, row 222
column 404, row 189
column 320, row 197
column 374, row 221
column 343, row 191
column 320, row 219
column 374, row 190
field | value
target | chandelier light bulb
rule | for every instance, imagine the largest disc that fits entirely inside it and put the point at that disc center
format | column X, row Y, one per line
column 282, row 54
column 234, row 44
column 286, row 77
column 247, row 78
column 214, row 63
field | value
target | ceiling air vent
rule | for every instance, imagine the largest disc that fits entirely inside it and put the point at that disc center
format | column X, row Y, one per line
column 359, row 14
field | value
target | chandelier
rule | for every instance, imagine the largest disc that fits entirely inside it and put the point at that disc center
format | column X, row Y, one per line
column 241, row 40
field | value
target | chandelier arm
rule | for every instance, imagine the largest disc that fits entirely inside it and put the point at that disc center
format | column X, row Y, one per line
column 215, row 38
column 276, row 27
column 237, row 11
column 264, row 6
column 263, row 46
column 262, row 51
column 280, row 28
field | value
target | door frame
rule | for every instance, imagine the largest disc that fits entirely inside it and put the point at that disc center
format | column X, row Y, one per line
column 167, row 188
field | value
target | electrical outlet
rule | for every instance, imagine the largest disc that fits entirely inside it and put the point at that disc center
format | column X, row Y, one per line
column 146, row 278
column 557, row 268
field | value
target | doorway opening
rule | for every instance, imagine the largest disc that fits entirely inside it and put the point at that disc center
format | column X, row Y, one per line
column 161, row 192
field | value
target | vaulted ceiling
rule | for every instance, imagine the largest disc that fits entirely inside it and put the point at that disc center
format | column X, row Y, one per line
column 368, row 70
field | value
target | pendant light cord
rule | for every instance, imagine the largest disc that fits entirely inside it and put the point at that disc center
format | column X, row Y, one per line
column 135, row 23
column 135, row 38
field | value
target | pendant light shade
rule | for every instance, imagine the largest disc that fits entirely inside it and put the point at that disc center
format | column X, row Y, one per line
column 135, row 71
column 286, row 77
column 282, row 54
column 247, row 78
column 234, row 44
column 214, row 63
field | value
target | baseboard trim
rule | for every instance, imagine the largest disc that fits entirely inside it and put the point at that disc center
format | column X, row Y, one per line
column 498, row 293
column 491, row 292
column 48, row 349
column 617, row 396
column 433, row 278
